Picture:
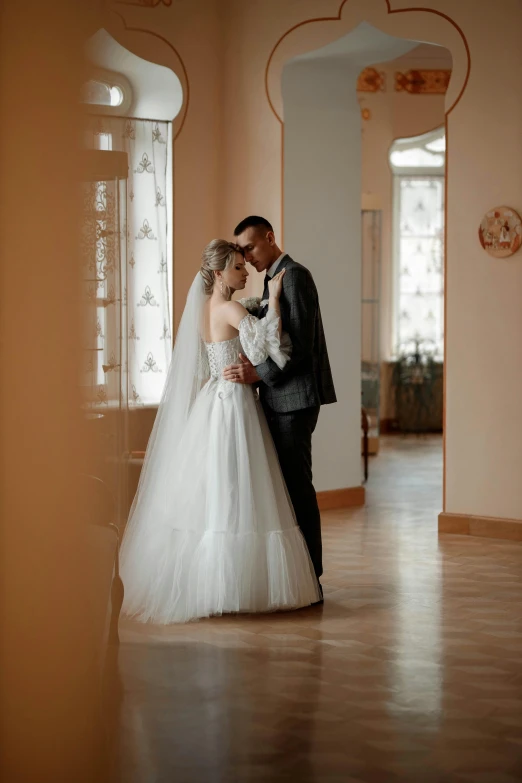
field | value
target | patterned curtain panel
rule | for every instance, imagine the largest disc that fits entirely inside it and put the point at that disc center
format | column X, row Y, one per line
column 421, row 273
column 148, row 145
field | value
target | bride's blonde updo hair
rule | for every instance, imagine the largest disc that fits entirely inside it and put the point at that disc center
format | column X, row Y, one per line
column 217, row 256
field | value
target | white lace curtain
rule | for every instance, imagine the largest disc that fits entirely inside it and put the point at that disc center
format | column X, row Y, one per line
column 421, row 270
column 147, row 230
column 418, row 165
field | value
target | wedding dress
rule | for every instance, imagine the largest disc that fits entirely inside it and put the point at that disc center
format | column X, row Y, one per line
column 212, row 529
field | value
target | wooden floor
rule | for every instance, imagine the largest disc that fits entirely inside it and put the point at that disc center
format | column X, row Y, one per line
column 412, row 670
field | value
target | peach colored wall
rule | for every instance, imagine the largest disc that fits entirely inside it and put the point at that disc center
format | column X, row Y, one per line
column 484, row 296
column 50, row 708
column 226, row 56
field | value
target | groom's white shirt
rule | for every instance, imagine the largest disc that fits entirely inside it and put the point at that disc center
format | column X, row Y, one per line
column 271, row 272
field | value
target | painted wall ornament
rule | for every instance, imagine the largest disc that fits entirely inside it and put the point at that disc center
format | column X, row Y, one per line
column 371, row 80
column 500, row 232
column 423, row 82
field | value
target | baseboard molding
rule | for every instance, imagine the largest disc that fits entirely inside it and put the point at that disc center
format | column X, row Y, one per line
column 341, row 498
column 484, row 527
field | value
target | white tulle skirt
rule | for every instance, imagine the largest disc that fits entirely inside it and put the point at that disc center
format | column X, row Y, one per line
column 216, row 532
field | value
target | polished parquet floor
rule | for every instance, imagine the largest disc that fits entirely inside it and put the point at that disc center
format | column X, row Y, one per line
column 412, row 670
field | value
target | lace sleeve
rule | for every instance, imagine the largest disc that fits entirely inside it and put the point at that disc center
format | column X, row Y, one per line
column 260, row 339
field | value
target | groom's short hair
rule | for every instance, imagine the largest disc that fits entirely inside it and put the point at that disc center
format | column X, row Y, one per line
column 253, row 221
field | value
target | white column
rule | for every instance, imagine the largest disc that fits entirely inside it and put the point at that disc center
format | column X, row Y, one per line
column 322, row 220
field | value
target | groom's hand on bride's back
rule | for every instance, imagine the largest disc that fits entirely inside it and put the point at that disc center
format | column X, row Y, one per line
column 245, row 372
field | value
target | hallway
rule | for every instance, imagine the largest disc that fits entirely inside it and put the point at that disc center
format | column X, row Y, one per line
column 412, row 669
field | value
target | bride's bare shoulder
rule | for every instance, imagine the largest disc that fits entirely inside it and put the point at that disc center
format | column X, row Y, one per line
column 234, row 312
column 222, row 319
column 232, row 306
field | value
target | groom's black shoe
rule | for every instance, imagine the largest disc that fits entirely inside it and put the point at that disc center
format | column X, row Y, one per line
column 321, row 600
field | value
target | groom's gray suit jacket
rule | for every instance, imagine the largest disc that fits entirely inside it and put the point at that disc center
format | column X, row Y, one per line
column 306, row 380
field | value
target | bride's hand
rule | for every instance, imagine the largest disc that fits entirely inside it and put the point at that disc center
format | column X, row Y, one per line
column 275, row 285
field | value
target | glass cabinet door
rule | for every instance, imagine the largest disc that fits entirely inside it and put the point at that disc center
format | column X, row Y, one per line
column 104, row 291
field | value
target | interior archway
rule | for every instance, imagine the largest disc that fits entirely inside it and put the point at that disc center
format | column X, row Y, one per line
column 155, row 49
column 350, row 41
column 156, row 90
column 410, row 24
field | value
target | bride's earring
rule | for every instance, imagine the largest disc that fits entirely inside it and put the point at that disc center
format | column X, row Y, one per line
column 221, row 286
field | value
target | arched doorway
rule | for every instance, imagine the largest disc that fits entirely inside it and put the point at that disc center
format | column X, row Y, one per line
column 315, row 62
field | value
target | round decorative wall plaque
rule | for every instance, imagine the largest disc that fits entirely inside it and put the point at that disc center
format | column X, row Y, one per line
column 500, row 232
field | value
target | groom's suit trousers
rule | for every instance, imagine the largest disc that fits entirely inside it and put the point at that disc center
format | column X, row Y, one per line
column 292, row 435
column 291, row 397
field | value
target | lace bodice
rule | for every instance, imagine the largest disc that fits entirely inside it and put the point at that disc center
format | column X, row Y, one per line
column 222, row 354
column 257, row 339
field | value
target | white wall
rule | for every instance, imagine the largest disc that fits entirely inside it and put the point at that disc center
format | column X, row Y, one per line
column 322, row 223
column 322, row 231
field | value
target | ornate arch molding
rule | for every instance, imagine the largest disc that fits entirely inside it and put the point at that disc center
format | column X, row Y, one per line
column 138, row 41
column 409, row 23
column 302, row 38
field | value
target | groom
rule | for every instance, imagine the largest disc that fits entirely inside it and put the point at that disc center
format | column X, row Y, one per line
column 291, row 397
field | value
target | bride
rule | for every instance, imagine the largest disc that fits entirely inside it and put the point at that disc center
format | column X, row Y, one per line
column 212, row 529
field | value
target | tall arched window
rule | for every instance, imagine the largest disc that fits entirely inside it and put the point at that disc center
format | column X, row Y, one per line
column 418, row 237
column 141, row 127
